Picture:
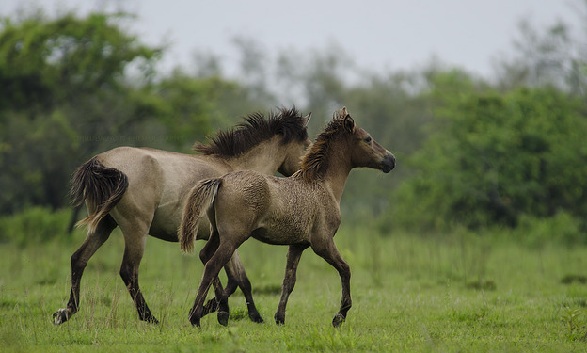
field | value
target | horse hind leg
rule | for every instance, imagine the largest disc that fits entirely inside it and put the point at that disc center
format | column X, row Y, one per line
column 79, row 261
column 213, row 266
column 134, row 249
column 237, row 278
column 220, row 301
column 215, row 255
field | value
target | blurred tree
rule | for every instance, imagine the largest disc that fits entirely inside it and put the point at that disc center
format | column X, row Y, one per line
column 317, row 79
column 548, row 57
column 393, row 110
column 493, row 157
column 72, row 87
column 389, row 106
column 60, row 78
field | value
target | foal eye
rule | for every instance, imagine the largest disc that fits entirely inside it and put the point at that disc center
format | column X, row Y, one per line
column 368, row 139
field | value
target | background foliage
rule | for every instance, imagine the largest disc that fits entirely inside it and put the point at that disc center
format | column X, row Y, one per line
column 470, row 244
column 472, row 152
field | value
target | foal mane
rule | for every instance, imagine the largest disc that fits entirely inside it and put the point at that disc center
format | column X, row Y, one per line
column 255, row 129
column 315, row 161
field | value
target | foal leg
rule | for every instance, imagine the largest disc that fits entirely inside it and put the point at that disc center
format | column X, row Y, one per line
column 331, row 254
column 220, row 301
column 213, row 266
column 293, row 258
column 135, row 238
column 79, row 261
column 237, row 276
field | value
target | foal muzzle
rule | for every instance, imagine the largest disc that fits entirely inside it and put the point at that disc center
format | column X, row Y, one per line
column 388, row 163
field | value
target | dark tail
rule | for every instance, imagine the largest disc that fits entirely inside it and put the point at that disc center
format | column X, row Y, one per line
column 100, row 187
column 199, row 201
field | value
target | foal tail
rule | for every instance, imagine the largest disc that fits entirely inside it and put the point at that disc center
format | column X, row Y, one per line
column 199, row 201
column 100, row 187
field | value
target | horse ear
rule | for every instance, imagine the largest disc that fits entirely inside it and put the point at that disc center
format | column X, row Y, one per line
column 307, row 119
column 349, row 124
column 343, row 112
column 340, row 114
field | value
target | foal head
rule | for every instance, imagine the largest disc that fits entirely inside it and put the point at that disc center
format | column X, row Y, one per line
column 353, row 146
column 364, row 151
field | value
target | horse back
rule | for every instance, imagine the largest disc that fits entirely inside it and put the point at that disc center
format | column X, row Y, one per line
column 158, row 183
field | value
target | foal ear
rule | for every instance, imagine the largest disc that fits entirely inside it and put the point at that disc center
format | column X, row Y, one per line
column 349, row 124
column 340, row 114
column 343, row 112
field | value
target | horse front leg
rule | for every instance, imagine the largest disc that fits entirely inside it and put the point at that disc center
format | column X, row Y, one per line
column 79, row 261
column 332, row 256
column 293, row 258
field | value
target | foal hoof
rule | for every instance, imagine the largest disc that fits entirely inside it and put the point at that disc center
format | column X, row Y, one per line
column 256, row 317
column 151, row 320
column 222, row 317
column 195, row 322
column 279, row 320
column 338, row 320
column 60, row 316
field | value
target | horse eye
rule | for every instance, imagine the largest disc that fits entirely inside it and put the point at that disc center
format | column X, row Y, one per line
column 368, row 139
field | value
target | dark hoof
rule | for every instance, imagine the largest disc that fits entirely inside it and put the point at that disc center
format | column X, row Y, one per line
column 60, row 316
column 222, row 317
column 194, row 320
column 151, row 320
column 256, row 317
column 279, row 320
column 338, row 320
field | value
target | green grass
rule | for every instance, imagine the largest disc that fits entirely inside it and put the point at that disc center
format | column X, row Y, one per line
column 453, row 293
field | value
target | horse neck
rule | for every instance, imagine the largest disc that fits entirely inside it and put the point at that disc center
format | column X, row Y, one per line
column 265, row 158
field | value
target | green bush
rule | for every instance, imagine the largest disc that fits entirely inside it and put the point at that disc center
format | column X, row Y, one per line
column 561, row 229
column 34, row 225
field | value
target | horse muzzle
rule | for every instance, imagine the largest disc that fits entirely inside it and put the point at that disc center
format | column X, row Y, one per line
column 388, row 163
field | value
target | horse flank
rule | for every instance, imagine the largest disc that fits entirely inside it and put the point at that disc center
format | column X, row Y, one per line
column 200, row 199
column 102, row 188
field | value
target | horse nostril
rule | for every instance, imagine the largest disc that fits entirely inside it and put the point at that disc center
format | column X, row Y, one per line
column 389, row 162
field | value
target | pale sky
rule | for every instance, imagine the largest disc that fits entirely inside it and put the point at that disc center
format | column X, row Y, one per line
column 379, row 35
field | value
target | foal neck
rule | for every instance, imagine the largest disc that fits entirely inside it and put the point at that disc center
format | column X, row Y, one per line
column 337, row 171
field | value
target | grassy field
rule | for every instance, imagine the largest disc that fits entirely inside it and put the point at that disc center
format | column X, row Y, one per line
column 452, row 293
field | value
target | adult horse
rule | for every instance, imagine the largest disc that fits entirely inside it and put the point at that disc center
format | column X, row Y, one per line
column 300, row 211
column 142, row 191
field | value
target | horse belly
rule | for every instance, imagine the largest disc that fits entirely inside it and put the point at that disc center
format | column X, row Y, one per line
column 164, row 225
column 281, row 233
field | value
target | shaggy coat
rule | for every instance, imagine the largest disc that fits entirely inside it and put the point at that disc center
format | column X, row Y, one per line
column 300, row 211
column 143, row 190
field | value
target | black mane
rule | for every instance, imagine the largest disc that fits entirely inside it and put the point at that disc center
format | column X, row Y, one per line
column 255, row 129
